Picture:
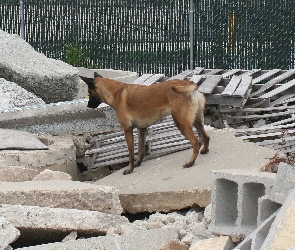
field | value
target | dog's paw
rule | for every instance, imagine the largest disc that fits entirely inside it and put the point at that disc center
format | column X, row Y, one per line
column 137, row 164
column 204, row 151
column 127, row 171
column 188, row 164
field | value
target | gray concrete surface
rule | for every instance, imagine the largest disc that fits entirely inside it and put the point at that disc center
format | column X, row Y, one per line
column 8, row 233
column 139, row 239
column 162, row 183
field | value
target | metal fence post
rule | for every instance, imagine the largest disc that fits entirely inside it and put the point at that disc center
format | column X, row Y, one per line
column 191, row 33
column 22, row 22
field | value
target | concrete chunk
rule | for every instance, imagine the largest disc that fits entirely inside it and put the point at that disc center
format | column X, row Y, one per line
column 219, row 243
column 62, row 194
column 16, row 173
column 8, row 233
column 60, row 156
column 138, row 239
column 51, row 80
column 48, row 174
column 44, row 224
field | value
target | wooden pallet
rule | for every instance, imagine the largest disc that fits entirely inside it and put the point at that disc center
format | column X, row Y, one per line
column 111, row 148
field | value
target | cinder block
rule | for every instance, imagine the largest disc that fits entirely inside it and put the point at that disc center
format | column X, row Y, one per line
column 235, row 195
column 255, row 240
column 281, row 233
column 285, row 182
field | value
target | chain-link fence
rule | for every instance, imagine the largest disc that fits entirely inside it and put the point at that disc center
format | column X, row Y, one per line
column 154, row 36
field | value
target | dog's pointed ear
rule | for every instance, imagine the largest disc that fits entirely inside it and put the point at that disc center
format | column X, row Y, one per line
column 97, row 75
column 88, row 81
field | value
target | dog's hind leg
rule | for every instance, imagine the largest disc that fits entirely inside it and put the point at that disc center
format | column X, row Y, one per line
column 141, row 145
column 130, row 143
column 199, row 125
column 185, row 128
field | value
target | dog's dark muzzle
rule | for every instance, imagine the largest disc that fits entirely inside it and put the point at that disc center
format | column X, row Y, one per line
column 93, row 104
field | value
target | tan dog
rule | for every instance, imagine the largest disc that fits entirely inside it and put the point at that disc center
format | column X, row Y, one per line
column 139, row 106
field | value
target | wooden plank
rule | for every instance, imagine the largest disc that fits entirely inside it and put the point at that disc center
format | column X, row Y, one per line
column 234, row 101
column 265, row 76
column 276, row 141
column 214, row 72
column 198, row 70
column 247, row 137
column 250, row 72
column 182, row 75
column 274, row 81
column 230, row 73
column 151, row 80
column 283, row 99
column 257, row 109
column 196, row 78
column 231, row 86
column 247, row 117
column 244, row 86
column 279, row 89
column 209, row 84
column 239, row 132
column 284, row 121
column 142, row 78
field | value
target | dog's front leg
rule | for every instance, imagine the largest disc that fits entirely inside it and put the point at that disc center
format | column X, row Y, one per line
column 130, row 143
column 141, row 145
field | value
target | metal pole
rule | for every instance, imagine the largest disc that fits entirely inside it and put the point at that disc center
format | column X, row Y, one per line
column 22, row 19
column 191, row 33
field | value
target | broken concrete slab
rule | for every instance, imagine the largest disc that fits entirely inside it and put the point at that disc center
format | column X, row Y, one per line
column 281, row 233
column 60, row 156
column 218, row 243
column 138, row 239
column 16, row 139
column 14, row 96
column 173, row 244
column 8, row 233
column 51, row 80
column 38, row 225
column 160, row 184
column 61, row 194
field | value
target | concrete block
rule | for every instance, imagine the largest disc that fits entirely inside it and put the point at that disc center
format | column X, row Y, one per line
column 60, row 156
column 285, row 182
column 8, row 233
column 255, row 240
column 281, row 233
column 39, row 225
column 218, row 243
column 138, row 239
column 51, row 80
column 235, row 198
column 61, row 194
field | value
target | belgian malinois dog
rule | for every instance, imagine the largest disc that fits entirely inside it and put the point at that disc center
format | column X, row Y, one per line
column 139, row 106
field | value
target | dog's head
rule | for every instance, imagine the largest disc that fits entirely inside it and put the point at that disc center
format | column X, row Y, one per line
column 94, row 100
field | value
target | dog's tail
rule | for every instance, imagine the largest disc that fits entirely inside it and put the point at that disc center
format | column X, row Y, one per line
column 186, row 89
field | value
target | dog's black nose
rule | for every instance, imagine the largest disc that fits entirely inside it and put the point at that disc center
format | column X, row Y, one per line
column 92, row 104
